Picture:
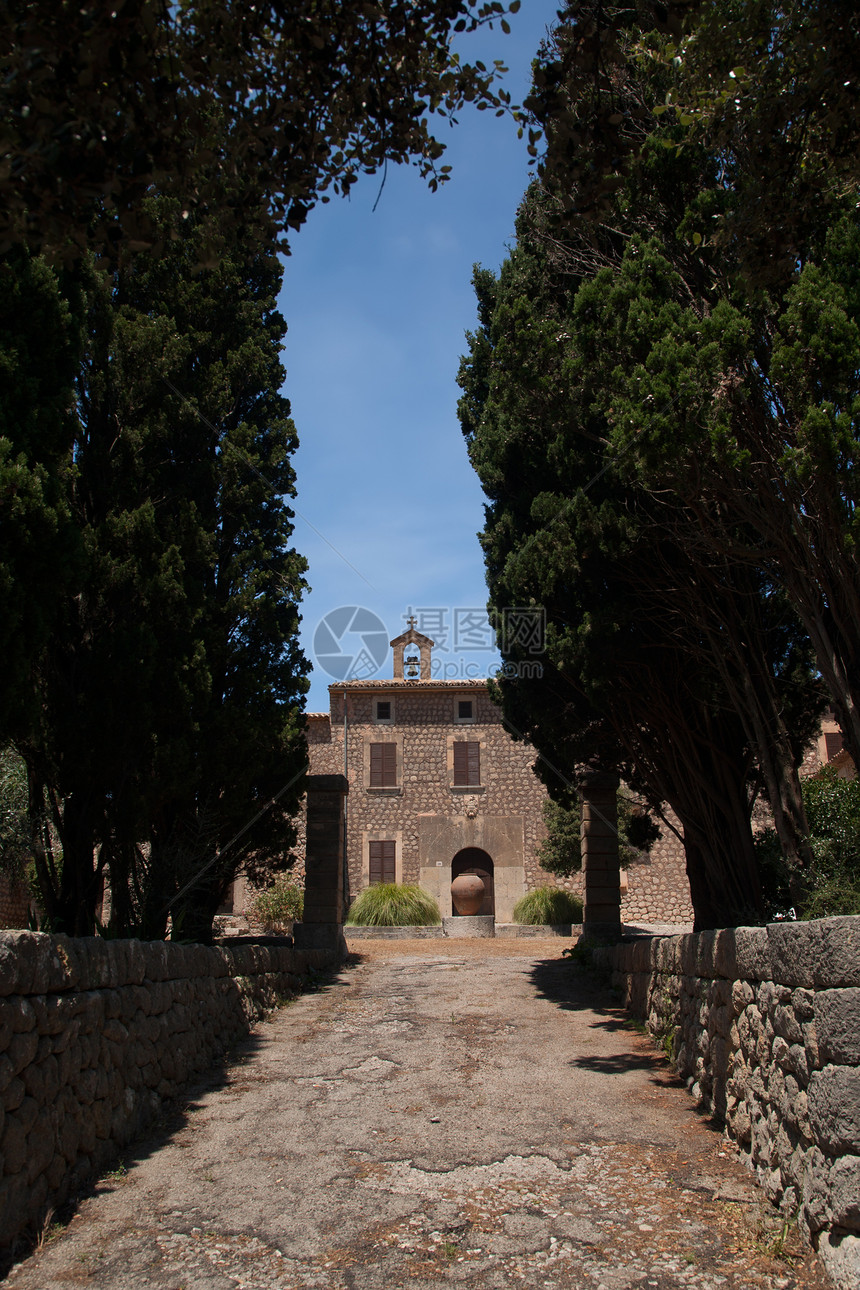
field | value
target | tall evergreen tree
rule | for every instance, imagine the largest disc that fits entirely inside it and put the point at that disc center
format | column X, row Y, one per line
column 171, row 693
column 653, row 647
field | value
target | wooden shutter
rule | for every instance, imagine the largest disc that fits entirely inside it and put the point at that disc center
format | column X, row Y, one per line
column 382, row 862
column 383, row 765
column 467, row 763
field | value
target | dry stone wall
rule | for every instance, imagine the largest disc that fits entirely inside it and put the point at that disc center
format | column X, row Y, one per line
column 763, row 1024
column 95, row 1035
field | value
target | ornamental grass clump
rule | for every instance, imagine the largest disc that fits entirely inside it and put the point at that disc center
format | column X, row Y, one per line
column 393, row 904
column 548, row 905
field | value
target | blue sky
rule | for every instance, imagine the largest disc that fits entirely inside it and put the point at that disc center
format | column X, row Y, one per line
column 377, row 305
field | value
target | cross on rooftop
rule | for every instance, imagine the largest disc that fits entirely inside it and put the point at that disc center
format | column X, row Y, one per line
column 410, row 621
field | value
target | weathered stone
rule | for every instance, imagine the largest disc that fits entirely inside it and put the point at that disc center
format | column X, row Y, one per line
column 845, row 1192
column 837, row 1019
column 798, row 1063
column 794, row 950
column 840, row 1254
column 742, row 995
column 13, row 1147
column 13, row 1094
column 785, row 1023
column 838, row 962
column 803, row 1002
column 752, row 951
column 834, row 1108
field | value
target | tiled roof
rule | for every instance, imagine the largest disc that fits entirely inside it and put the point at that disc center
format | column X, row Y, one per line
column 392, row 684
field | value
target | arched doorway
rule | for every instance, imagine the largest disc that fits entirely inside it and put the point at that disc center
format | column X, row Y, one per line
column 474, row 860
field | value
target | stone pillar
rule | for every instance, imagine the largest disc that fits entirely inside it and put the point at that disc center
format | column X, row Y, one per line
column 321, row 927
column 599, row 839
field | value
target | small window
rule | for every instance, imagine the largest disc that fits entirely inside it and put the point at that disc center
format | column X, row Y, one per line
column 383, row 765
column 383, row 712
column 464, row 712
column 467, row 764
column 382, row 857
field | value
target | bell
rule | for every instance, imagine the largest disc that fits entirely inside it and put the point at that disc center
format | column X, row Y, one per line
column 412, row 669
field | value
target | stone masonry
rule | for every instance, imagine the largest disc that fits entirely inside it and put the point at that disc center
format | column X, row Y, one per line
column 431, row 820
column 763, row 1024
column 95, row 1035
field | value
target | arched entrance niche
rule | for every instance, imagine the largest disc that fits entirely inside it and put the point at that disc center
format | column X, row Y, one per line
column 474, row 860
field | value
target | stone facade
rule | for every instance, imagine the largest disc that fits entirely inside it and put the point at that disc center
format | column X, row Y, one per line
column 763, row 1024
column 431, row 820
column 95, row 1035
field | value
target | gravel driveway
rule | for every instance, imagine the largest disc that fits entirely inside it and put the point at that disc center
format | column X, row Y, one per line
column 441, row 1114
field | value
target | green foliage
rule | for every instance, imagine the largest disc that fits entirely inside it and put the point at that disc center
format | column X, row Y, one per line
column 769, row 88
column 102, row 105
column 560, row 852
column 392, row 904
column 165, row 739
column 831, row 884
column 281, row 903
column 15, row 844
column 549, row 905
column 644, row 421
column 40, row 321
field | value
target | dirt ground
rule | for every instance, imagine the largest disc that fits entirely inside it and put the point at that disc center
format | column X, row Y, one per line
column 439, row 1114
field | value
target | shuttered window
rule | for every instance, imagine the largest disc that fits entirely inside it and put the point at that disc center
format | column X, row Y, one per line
column 382, row 861
column 383, row 765
column 467, row 763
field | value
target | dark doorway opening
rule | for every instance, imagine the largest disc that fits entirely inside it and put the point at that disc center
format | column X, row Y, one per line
column 474, row 860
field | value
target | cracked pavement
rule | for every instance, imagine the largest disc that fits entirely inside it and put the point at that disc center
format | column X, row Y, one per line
column 440, row 1114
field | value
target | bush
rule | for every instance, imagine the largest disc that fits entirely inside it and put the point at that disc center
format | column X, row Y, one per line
column 281, row 903
column 832, row 884
column 560, row 852
column 548, row 905
column 15, row 847
column 392, row 904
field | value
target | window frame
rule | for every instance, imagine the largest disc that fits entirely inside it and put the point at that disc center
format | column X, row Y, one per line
column 376, row 718
column 464, row 721
column 471, row 766
column 384, row 861
column 385, row 770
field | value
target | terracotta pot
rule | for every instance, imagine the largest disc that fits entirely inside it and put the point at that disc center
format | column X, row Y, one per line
column 467, row 894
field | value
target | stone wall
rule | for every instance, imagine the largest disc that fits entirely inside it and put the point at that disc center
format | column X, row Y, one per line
column 764, row 1026
column 95, row 1035
column 430, row 820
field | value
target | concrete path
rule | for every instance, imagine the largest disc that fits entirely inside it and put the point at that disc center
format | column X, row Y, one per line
column 443, row 1114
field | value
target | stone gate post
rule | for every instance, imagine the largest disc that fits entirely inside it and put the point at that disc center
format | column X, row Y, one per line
column 599, row 840
column 321, row 927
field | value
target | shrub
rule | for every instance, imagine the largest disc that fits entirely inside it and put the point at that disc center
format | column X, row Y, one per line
column 560, row 852
column 548, row 905
column 15, row 845
column 832, row 884
column 283, row 902
column 392, row 904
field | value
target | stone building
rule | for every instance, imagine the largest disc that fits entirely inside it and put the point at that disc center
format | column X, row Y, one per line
column 438, row 787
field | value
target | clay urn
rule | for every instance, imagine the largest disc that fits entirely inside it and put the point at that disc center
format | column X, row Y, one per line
column 467, row 893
